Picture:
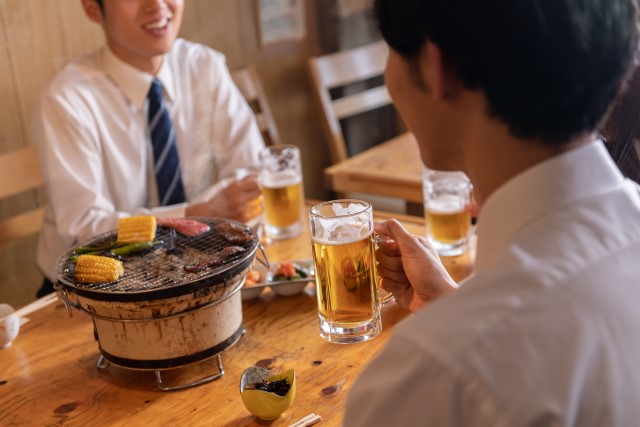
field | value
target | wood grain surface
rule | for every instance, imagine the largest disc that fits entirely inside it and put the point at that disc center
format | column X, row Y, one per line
column 49, row 375
column 391, row 169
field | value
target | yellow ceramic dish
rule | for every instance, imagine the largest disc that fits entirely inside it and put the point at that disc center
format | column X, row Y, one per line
column 263, row 404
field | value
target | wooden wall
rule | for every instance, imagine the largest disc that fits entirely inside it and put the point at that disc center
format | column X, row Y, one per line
column 38, row 37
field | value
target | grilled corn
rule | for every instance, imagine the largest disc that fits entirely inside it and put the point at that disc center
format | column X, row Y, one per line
column 98, row 269
column 135, row 229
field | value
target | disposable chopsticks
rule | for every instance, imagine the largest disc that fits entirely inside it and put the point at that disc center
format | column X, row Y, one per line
column 309, row 420
column 36, row 305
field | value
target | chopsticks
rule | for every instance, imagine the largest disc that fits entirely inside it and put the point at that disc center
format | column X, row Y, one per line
column 309, row 420
column 36, row 305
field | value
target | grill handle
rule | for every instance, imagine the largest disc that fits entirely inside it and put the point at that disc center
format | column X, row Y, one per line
column 65, row 297
column 265, row 261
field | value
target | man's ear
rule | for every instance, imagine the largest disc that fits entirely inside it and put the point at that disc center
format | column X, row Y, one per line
column 437, row 73
column 93, row 11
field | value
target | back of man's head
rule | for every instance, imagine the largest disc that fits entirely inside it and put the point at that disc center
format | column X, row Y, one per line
column 548, row 68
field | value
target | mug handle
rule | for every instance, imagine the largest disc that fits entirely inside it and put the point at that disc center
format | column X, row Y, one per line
column 388, row 296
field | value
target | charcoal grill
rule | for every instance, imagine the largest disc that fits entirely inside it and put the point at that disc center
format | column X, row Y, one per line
column 157, row 316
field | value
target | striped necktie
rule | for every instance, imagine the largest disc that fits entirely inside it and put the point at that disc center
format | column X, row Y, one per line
column 165, row 153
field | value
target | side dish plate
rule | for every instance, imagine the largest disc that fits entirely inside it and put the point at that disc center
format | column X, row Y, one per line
column 280, row 287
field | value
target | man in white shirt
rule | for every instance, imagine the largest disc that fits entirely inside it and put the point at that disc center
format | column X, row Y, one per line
column 92, row 131
column 547, row 330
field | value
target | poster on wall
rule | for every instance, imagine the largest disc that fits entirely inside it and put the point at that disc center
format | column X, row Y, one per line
column 281, row 21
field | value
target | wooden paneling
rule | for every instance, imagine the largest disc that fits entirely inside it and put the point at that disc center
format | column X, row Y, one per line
column 38, row 37
column 11, row 132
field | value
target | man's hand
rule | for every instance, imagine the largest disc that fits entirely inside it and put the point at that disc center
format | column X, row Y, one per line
column 410, row 267
column 241, row 201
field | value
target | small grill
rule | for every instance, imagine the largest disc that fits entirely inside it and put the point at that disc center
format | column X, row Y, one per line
column 160, row 271
column 157, row 315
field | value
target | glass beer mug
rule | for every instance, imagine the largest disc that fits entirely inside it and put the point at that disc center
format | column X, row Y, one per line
column 447, row 218
column 346, row 281
column 282, row 191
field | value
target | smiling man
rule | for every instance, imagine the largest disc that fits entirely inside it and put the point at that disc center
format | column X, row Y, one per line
column 148, row 124
column 546, row 332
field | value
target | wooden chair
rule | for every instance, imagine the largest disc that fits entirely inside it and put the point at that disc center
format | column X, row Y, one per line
column 344, row 68
column 19, row 173
column 249, row 84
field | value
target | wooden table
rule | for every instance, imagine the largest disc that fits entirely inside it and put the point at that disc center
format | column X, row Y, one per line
column 49, row 376
column 392, row 169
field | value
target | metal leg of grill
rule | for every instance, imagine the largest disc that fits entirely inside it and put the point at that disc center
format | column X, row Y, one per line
column 102, row 363
column 162, row 387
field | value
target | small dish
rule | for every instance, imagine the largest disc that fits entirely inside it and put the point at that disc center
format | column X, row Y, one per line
column 251, row 292
column 264, row 404
column 280, row 287
column 9, row 325
column 287, row 289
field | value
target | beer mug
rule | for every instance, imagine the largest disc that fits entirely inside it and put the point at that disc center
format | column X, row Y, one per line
column 346, row 281
column 447, row 218
column 282, row 192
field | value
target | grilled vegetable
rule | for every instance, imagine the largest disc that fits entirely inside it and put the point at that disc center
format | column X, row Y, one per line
column 98, row 269
column 92, row 249
column 132, row 248
column 134, row 229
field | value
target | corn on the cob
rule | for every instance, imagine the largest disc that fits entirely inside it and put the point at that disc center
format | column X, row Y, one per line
column 135, row 229
column 98, row 269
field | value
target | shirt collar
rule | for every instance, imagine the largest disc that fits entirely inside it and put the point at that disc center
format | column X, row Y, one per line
column 579, row 173
column 135, row 83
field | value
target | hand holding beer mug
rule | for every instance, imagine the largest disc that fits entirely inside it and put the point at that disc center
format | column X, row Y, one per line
column 448, row 221
column 346, row 281
column 282, row 191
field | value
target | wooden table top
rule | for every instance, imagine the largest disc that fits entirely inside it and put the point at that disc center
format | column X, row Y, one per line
column 392, row 169
column 48, row 376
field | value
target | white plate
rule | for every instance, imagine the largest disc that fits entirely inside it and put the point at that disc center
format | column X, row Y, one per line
column 284, row 287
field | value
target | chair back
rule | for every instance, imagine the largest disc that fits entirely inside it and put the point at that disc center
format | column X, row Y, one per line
column 249, row 84
column 344, row 68
column 20, row 173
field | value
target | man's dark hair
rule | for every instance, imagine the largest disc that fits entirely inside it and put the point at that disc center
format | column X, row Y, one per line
column 548, row 68
column 621, row 130
column 100, row 4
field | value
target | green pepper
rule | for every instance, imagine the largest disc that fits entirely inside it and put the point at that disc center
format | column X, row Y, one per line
column 91, row 249
column 132, row 248
column 301, row 273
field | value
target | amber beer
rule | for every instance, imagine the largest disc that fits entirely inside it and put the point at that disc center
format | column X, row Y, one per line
column 447, row 220
column 282, row 201
column 346, row 281
column 282, row 192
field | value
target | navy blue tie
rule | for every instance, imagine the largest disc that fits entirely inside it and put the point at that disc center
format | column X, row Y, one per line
column 165, row 153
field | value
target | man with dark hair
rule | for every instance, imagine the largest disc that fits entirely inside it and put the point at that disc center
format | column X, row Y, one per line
column 546, row 330
column 149, row 124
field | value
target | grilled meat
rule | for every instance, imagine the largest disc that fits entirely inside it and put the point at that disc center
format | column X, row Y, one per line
column 215, row 260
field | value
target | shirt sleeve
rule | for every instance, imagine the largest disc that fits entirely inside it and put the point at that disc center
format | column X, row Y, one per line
column 74, row 172
column 235, row 127
column 405, row 386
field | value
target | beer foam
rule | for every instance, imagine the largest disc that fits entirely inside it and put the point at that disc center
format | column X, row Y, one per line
column 345, row 230
column 445, row 204
column 351, row 209
column 333, row 234
column 280, row 180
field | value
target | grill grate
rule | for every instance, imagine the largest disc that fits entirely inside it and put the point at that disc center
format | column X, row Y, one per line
column 160, row 268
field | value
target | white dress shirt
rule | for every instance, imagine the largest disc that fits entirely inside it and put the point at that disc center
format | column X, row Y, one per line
column 90, row 126
column 547, row 331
